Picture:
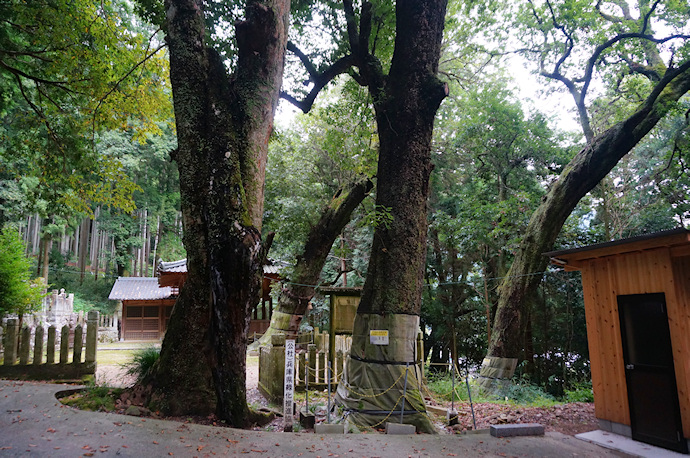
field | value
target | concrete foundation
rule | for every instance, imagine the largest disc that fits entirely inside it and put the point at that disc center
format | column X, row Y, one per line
column 400, row 429
column 519, row 429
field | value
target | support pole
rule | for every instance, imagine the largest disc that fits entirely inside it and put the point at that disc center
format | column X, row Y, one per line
column 402, row 408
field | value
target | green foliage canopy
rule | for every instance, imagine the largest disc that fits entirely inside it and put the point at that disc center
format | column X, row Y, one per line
column 68, row 70
column 18, row 294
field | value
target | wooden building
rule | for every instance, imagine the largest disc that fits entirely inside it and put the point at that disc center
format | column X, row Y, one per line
column 637, row 306
column 147, row 301
column 146, row 307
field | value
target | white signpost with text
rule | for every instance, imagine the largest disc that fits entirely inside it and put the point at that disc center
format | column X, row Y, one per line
column 289, row 387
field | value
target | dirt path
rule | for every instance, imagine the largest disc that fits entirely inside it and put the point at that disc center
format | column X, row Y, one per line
column 570, row 419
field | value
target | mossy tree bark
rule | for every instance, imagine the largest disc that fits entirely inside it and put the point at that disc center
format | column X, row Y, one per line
column 405, row 103
column 223, row 126
column 295, row 295
column 579, row 177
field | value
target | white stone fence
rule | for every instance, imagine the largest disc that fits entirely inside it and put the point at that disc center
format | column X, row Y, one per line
column 19, row 344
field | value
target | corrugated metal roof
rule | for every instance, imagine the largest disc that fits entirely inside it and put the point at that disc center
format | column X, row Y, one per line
column 173, row 266
column 139, row 288
column 273, row 267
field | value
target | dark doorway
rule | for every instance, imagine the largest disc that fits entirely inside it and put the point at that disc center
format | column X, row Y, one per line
column 649, row 372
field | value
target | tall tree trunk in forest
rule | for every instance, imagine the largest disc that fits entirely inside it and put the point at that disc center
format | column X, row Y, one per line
column 405, row 103
column 83, row 246
column 47, row 245
column 579, row 177
column 223, row 126
column 295, row 295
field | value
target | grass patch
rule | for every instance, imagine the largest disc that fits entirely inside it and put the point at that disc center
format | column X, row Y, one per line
column 141, row 364
column 525, row 394
column 581, row 392
column 95, row 399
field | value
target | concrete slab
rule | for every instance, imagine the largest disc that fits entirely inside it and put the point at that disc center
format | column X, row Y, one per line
column 517, row 429
column 438, row 410
column 400, row 429
column 34, row 423
column 328, row 428
column 627, row 445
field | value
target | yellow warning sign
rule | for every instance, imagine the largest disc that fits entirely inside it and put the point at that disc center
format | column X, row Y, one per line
column 378, row 336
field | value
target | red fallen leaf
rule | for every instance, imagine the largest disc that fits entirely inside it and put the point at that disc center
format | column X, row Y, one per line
column 155, row 442
column 200, row 448
column 87, row 454
column 117, row 423
column 233, row 441
column 124, row 446
column 50, row 430
column 86, row 447
column 259, row 451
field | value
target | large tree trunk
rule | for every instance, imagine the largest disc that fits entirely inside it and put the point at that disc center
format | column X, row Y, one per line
column 295, row 295
column 223, row 126
column 405, row 103
column 579, row 177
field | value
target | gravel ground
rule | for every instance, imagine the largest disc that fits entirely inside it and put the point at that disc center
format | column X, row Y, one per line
column 569, row 419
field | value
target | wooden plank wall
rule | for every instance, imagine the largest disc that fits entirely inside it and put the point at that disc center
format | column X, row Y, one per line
column 603, row 279
column 679, row 319
column 605, row 348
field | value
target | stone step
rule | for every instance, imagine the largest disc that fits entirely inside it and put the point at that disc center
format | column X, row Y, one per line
column 517, row 429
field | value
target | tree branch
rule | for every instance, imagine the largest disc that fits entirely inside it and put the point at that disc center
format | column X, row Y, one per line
column 351, row 22
column 320, row 80
column 117, row 85
column 36, row 79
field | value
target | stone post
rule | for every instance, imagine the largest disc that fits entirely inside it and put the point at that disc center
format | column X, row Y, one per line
column 272, row 368
column 64, row 345
column 38, row 345
column 50, row 355
column 301, row 373
column 91, row 336
column 323, row 373
column 25, row 346
column 11, row 341
column 312, row 364
column 340, row 358
column 78, row 344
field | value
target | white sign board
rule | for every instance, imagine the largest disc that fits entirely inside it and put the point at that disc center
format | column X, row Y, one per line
column 289, row 387
column 378, row 337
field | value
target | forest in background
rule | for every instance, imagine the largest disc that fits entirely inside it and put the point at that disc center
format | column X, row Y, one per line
column 86, row 178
